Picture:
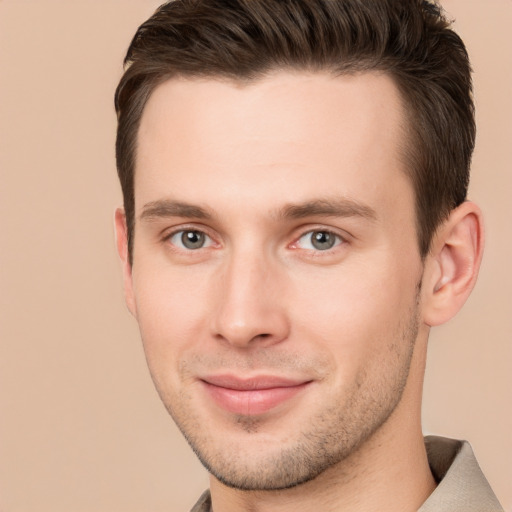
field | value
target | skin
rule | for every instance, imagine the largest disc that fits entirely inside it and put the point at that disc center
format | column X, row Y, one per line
column 255, row 169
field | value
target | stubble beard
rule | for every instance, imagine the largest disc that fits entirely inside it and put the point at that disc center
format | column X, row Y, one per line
column 327, row 440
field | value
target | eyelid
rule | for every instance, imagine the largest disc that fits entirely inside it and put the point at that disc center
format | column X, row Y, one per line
column 168, row 234
column 343, row 237
column 177, row 240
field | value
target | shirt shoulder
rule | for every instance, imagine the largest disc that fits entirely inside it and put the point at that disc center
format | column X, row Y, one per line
column 462, row 487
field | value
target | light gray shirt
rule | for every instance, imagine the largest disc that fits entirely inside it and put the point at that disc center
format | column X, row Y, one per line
column 461, row 487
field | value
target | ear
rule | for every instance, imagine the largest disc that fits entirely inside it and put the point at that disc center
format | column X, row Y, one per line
column 122, row 249
column 452, row 264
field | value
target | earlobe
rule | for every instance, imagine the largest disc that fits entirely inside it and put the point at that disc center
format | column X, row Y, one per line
column 122, row 249
column 453, row 263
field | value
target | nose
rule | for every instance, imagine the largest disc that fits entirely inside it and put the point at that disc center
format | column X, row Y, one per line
column 250, row 306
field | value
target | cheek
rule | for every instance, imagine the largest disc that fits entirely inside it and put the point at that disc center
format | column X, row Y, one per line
column 354, row 313
column 171, row 312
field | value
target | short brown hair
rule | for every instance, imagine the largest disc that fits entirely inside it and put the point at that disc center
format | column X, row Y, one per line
column 411, row 40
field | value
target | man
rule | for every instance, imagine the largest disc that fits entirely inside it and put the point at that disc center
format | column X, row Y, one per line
column 295, row 221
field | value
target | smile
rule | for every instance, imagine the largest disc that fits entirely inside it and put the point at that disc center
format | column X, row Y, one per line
column 253, row 396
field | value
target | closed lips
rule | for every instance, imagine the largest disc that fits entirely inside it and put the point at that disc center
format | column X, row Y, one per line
column 252, row 396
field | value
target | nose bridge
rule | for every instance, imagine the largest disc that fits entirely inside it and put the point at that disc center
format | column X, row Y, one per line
column 248, row 306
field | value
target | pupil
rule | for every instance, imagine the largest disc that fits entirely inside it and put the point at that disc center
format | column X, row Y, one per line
column 323, row 240
column 192, row 239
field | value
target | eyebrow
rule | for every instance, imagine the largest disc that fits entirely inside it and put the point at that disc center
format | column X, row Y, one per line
column 164, row 208
column 336, row 207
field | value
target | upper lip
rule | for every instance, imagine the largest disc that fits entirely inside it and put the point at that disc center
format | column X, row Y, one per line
column 253, row 383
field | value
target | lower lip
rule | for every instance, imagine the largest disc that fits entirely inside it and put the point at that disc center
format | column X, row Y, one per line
column 252, row 402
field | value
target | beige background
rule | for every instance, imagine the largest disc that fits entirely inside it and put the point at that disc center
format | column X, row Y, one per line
column 81, row 428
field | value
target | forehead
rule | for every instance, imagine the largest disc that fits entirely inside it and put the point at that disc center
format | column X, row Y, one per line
column 299, row 131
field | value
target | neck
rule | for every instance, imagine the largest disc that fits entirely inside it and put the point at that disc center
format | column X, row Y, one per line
column 388, row 473
column 395, row 480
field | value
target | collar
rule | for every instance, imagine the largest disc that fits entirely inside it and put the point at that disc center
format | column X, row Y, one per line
column 462, row 487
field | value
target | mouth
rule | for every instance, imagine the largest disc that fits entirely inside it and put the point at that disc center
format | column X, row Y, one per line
column 253, row 396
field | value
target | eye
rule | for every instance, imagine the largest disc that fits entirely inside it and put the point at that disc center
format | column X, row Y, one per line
column 190, row 239
column 320, row 240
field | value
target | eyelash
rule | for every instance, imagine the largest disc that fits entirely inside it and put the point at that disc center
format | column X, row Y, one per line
column 168, row 237
column 338, row 239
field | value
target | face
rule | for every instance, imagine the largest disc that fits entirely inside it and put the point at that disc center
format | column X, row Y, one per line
column 275, row 268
